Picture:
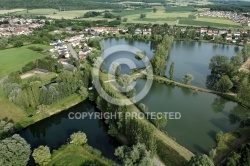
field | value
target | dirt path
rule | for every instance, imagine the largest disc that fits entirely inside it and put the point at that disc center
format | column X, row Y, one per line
column 246, row 66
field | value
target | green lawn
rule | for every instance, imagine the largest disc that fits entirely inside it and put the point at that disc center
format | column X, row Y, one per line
column 14, row 59
column 71, row 154
column 10, row 110
column 45, row 78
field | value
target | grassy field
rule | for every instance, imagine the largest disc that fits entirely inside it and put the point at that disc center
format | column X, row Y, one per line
column 178, row 15
column 71, row 154
column 11, row 11
column 14, row 59
column 56, row 14
column 10, row 110
column 208, row 22
column 45, row 77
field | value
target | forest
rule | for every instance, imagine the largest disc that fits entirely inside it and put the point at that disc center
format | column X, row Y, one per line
column 67, row 4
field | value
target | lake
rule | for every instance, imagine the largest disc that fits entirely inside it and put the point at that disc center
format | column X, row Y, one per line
column 202, row 114
column 188, row 56
column 56, row 130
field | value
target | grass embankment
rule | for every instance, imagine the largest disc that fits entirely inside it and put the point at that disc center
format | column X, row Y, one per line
column 176, row 154
column 14, row 59
column 230, row 142
column 50, row 110
column 71, row 154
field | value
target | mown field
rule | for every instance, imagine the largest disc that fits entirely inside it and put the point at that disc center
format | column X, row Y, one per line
column 208, row 22
column 14, row 59
column 11, row 11
column 56, row 14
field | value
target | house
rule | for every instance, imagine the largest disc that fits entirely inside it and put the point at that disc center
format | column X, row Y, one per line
column 138, row 31
column 203, row 30
column 146, row 31
column 237, row 34
column 221, row 32
column 210, row 33
column 229, row 37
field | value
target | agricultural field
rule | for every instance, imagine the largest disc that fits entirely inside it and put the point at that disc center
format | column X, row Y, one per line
column 56, row 14
column 208, row 22
column 11, row 11
column 14, row 59
column 177, row 15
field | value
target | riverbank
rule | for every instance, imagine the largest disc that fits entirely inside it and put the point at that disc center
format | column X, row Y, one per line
column 71, row 154
column 53, row 109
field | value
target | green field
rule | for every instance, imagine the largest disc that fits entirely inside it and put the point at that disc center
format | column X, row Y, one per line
column 196, row 22
column 11, row 11
column 71, row 154
column 178, row 15
column 56, row 14
column 14, row 59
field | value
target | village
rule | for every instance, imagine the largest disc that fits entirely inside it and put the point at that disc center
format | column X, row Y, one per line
column 19, row 26
column 236, row 17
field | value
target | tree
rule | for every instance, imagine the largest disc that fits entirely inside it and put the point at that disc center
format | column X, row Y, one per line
column 42, row 155
column 83, row 92
column 217, row 63
column 78, row 138
column 18, row 44
column 245, row 52
column 188, row 78
column 14, row 151
column 14, row 77
column 3, row 43
column 108, row 15
column 124, row 19
column 124, row 81
column 142, row 15
column 135, row 155
column 171, row 71
column 224, row 84
column 143, row 107
column 244, row 91
column 199, row 160
column 212, row 153
column 6, row 128
column 155, row 10
column 115, row 69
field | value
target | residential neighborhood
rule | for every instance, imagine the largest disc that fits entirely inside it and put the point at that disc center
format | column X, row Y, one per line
column 19, row 26
column 235, row 17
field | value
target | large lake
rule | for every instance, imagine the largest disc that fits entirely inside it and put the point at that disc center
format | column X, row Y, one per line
column 188, row 56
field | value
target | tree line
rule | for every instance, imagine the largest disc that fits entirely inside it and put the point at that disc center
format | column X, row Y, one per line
column 33, row 93
column 63, row 4
column 225, row 74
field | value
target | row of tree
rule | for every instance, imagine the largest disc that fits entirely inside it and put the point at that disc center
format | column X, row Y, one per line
column 225, row 74
column 159, row 60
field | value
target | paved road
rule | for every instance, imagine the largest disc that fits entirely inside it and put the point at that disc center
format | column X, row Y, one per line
column 72, row 51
